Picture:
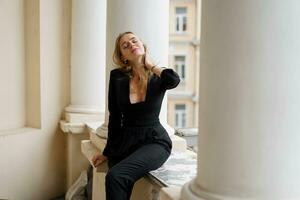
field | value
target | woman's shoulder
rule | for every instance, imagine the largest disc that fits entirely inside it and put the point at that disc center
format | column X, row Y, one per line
column 117, row 72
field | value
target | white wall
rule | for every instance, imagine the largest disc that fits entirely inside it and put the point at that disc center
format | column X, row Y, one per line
column 33, row 161
column 12, row 67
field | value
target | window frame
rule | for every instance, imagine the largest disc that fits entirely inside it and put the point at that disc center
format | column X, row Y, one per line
column 183, row 79
column 179, row 20
column 180, row 116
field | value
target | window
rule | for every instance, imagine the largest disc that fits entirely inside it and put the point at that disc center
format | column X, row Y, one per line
column 181, row 19
column 180, row 116
column 180, row 66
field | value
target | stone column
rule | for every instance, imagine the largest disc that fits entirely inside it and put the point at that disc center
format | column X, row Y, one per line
column 87, row 61
column 88, row 33
column 249, row 139
column 142, row 17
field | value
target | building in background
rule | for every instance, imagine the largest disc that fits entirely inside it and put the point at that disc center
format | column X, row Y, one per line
column 184, row 52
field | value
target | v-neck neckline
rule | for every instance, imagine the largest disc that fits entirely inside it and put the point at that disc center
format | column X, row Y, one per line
column 128, row 92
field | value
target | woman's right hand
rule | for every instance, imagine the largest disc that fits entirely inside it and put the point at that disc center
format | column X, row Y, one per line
column 98, row 158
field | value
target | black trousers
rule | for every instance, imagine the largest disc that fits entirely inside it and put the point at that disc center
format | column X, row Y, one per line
column 122, row 174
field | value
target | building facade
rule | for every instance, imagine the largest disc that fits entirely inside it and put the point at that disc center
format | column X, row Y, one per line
column 184, row 45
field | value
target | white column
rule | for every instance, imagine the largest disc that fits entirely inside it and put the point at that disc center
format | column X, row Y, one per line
column 249, row 139
column 150, row 21
column 88, row 31
column 87, row 61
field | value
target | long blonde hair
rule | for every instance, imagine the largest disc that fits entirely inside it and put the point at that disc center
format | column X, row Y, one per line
column 125, row 66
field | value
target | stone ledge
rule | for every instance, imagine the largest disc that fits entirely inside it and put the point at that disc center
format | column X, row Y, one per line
column 79, row 127
column 170, row 193
column 179, row 144
column 88, row 150
column 93, row 126
column 178, row 169
column 15, row 131
column 69, row 127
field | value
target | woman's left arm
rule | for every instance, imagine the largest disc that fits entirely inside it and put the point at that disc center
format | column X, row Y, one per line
column 169, row 78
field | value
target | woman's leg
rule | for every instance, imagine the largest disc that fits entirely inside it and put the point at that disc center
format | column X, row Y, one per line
column 121, row 177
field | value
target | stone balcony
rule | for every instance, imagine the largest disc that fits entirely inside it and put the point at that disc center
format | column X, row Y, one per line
column 164, row 183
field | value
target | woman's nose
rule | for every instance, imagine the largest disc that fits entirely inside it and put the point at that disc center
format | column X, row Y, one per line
column 131, row 44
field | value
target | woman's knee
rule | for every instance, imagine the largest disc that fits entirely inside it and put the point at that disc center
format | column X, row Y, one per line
column 111, row 177
column 114, row 176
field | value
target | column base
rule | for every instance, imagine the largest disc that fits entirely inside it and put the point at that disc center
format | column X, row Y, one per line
column 82, row 114
column 82, row 118
column 84, row 109
column 188, row 193
column 191, row 191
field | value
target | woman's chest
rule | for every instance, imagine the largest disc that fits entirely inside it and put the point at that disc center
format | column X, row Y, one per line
column 153, row 95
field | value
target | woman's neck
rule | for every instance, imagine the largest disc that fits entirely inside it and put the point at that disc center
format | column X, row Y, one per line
column 137, row 66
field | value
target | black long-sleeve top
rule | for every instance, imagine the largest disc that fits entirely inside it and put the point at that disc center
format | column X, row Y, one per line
column 132, row 125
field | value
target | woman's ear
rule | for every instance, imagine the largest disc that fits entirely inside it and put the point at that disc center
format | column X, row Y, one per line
column 124, row 60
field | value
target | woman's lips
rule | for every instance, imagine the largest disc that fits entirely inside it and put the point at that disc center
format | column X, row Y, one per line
column 134, row 50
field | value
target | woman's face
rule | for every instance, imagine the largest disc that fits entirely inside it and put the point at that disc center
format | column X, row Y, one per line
column 131, row 47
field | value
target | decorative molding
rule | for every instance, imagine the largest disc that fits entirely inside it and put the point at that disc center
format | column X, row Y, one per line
column 74, row 128
column 93, row 126
column 85, row 109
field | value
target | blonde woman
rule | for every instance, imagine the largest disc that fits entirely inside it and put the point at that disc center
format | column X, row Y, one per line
column 137, row 142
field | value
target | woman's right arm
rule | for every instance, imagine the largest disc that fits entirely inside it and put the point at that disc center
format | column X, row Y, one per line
column 114, row 122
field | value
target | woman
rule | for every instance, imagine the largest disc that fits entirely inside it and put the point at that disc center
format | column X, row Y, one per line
column 137, row 142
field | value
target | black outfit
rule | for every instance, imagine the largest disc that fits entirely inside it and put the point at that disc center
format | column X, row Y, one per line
column 137, row 142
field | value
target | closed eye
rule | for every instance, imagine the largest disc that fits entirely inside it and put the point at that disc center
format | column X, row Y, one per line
column 125, row 46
